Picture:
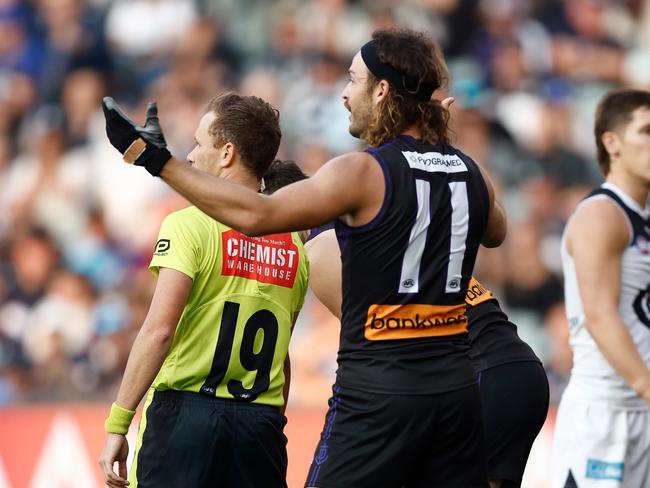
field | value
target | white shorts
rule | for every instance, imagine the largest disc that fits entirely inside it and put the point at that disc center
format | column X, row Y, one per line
column 598, row 446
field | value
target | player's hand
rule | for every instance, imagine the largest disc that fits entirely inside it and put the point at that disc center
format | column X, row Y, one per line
column 139, row 145
column 116, row 449
column 446, row 103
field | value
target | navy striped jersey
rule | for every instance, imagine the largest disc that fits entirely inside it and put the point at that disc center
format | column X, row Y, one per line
column 406, row 273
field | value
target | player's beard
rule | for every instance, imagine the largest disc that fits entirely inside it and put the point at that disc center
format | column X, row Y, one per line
column 362, row 116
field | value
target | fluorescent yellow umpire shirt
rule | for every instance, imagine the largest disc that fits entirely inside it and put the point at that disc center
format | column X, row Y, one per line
column 232, row 338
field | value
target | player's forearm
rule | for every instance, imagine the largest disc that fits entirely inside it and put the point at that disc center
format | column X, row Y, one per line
column 616, row 344
column 234, row 205
column 146, row 358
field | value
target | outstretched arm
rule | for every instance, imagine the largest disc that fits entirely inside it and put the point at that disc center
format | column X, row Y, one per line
column 350, row 186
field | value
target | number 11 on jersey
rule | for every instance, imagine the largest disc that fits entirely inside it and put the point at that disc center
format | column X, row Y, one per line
column 410, row 275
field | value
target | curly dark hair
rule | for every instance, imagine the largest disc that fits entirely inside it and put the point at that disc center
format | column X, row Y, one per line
column 251, row 124
column 418, row 57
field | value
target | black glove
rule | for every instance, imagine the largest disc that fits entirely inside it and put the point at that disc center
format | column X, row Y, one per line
column 142, row 146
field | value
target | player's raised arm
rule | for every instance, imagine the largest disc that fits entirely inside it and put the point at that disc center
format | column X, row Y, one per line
column 351, row 185
column 346, row 185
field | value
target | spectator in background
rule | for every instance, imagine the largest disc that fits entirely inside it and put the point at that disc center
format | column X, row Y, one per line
column 142, row 33
column 17, row 96
column 73, row 37
column 33, row 259
column 312, row 108
column 5, row 203
column 529, row 286
column 58, row 334
column 47, row 185
column 82, row 92
column 19, row 50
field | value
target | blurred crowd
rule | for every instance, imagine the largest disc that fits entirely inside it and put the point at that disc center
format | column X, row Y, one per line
column 77, row 226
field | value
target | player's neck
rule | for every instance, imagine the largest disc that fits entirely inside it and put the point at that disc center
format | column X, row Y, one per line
column 244, row 178
column 413, row 131
column 631, row 185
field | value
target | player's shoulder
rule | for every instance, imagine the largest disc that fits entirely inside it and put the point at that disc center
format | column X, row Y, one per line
column 190, row 219
column 353, row 157
column 451, row 150
column 347, row 170
column 599, row 218
column 447, row 148
column 599, row 210
column 190, row 213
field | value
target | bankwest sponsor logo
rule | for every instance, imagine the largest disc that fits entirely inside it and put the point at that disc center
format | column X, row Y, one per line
column 477, row 293
column 414, row 321
column 267, row 259
column 435, row 162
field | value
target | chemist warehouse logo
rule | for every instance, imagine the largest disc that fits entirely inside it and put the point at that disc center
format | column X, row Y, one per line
column 414, row 321
column 268, row 259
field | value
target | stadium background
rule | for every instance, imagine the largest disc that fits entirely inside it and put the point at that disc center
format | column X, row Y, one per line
column 77, row 226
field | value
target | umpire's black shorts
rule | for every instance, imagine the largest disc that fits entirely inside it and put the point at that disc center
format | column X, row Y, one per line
column 191, row 440
column 401, row 441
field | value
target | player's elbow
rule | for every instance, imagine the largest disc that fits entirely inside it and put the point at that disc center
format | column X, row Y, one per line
column 495, row 236
column 493, row 241
column 259, row 221
column 253, row 225
column 159, row 336
column 163, row 337
column 497, row 227
column 597, row 321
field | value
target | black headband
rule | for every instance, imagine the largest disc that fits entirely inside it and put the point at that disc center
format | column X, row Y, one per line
column 403, row 84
